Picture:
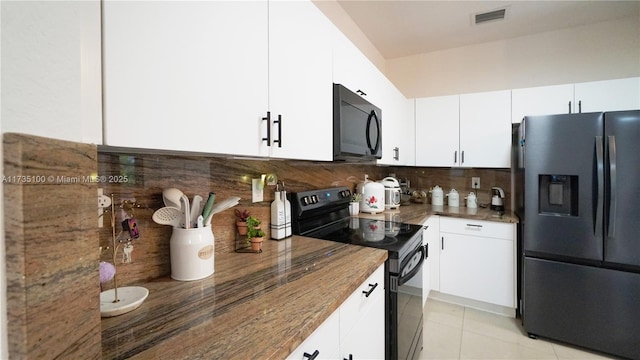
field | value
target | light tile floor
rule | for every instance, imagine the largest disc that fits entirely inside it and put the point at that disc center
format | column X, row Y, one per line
column 457, row 332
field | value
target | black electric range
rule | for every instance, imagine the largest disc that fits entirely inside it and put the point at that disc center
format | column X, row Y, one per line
column 324, row 214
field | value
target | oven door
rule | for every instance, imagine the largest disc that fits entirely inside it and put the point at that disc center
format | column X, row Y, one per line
column 406, row 309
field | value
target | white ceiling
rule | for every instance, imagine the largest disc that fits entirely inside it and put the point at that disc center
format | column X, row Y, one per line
column 400, row 28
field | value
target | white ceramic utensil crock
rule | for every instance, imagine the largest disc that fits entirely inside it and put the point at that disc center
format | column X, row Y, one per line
column 191, row 252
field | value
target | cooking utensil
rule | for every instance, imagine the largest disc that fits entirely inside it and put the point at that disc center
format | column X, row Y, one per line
column 196, row 208
column 186, row 213
column 220, row 207
column 206, row 211
column 171, row 197
column 167, row 216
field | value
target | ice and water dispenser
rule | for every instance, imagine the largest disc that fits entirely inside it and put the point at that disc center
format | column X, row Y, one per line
column 558, row 195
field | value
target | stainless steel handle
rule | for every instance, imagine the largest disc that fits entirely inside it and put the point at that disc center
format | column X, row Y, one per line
column 396, row 153
column 600, row 186
column 614, row 187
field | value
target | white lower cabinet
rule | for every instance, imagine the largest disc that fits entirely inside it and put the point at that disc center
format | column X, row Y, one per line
column 477, row 260
column 323, row 343
column 362, row 320
column 431, row 267
column 355, row 330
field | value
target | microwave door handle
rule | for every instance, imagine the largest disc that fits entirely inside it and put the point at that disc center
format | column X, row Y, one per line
column 368, row 133
column 373, row 116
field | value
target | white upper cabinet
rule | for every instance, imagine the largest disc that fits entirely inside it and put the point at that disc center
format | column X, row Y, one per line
column 51, row 70
column 437, row 135
column 469, row 130
column 300, row 81
column 186, row 76
column 485, row 129
column 543, row 100
column 608, row 95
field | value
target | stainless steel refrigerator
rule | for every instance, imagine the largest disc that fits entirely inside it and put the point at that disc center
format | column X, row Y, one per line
column 577, row 185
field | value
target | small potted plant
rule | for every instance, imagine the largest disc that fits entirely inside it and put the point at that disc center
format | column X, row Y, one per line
column 241, row 221
column 255, row 235
column 354, row 205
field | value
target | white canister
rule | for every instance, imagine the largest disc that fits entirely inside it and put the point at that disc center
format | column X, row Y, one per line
column 472, row 200
column 437, row 196
column 192, row 253
column 453, row 198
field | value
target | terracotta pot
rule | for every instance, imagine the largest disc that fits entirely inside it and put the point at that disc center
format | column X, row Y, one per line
column 242, row 227
column 256, row 243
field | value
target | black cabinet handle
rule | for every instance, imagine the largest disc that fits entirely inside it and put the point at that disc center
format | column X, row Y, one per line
column 580, row 106
column 268, row 138
column 443, row 243
column 350, row 357
column 372, row 287
column 361, row 92
column 312, row 356
column 426, row 251
column 462, row 157
column 279, row 122
column 569, row 107
column 455, row 157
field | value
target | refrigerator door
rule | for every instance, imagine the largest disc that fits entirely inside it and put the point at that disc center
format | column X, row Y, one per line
column 564, row 186
column 622, row 204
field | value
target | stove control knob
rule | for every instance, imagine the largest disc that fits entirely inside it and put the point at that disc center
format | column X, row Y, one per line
column 305, row 200
column 314, row 199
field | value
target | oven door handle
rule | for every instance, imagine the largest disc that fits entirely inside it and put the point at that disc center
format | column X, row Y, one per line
column 412, row 272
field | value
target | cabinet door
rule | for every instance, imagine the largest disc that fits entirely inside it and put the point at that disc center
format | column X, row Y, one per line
column 485, row 129
column 477, row 268
column 362, row 317
column 51, row 69
column 398, row 128
column 355, row 71
column 185, row 76
column 543, row 100
column 300, row 87
column 430, row 269
column 437, row 131
column 608, row 95
column 325, row 340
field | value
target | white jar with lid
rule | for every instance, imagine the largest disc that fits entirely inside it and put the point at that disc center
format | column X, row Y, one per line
column 472, row 200
column 437, row 196
column 454, row 198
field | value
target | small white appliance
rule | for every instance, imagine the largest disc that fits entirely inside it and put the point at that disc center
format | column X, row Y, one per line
column 391, row 192
column 497, row 200
column 372, row 196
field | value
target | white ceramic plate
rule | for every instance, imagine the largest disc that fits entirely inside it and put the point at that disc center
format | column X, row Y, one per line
column 130, row 298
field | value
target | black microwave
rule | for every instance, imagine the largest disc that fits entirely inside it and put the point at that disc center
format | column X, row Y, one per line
column 357, row 127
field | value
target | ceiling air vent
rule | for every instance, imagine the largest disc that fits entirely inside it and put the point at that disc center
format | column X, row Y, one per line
column 490, row 16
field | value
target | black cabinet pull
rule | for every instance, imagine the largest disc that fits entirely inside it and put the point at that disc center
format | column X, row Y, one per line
column 372, row 287
column 311, row 356
column 462, row 157
column 426, row 251
column 350, row 357
column 569, row 107
column 268, row 138
column 279, row 122
column 580, row 106
column 455, row 157
column 361, row 92
column 443, row 243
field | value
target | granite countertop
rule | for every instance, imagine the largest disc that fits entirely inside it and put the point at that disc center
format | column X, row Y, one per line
column 255, row 306
column 418, row 213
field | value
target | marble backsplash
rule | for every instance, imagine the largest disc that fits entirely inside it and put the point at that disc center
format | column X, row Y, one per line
column 141, row 178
